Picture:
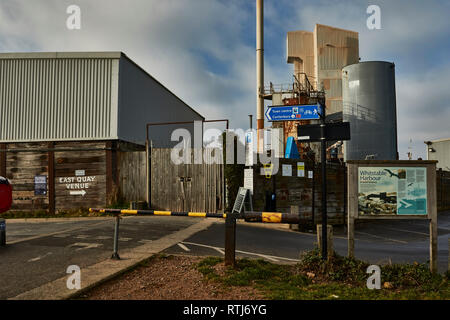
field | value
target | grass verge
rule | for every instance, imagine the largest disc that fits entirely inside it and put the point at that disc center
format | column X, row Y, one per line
column 339, row 278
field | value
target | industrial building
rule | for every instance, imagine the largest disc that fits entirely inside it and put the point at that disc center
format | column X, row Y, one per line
column 321, row 55
column 439, row 150
column 72, row 127
column 327, row 68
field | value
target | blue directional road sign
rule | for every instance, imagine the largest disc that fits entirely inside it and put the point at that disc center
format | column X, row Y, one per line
column 290, row 113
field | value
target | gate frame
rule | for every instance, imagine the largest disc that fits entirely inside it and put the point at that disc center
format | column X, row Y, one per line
column 148, row 159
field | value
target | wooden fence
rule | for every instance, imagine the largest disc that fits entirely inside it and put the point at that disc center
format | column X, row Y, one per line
column 186, row 187
column 302, row 191
column 306, row 193
column 443, row 190
column 132, row 175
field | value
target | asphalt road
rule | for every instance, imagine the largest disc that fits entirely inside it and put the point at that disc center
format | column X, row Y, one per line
column 40, row 252
column 378, row 242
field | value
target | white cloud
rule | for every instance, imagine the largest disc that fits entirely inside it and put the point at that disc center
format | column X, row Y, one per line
column 423, row 104
column 164, row 37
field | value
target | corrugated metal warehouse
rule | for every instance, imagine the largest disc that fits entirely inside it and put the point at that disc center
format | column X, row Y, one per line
column 72, row 127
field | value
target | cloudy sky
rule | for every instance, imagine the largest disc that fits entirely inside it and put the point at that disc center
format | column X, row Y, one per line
column 204, row 50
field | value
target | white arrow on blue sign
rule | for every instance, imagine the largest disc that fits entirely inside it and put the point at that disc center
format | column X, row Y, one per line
column 290, row 113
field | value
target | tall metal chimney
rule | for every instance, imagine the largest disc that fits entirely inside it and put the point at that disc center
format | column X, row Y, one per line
column 260, row 73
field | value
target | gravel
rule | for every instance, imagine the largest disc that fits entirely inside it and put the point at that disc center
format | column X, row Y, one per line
column 168, row 278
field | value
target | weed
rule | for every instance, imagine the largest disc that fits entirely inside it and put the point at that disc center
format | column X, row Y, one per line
column 338, row 278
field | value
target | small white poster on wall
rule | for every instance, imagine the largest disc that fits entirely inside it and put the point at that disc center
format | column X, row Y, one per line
column 287, row 170
column 248, row 180
column 301, row 169
column 310, row 174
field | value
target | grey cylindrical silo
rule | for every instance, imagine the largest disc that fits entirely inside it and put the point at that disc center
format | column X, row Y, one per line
column 369, row 104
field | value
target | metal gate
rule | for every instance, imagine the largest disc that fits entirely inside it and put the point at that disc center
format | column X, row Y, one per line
column 186, row 187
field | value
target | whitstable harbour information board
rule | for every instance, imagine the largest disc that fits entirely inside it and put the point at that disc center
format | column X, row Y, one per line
column 392, row 191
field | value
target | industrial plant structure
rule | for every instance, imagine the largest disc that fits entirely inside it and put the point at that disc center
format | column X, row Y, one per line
column 321, row 55
column 327, row 67
column 72, row 127
column 369, row 104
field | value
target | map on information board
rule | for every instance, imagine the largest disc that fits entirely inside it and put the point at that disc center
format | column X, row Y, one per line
column 392, row 191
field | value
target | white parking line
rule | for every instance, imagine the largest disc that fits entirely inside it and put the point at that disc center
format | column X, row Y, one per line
column 403, row 230
column 220, row 251
column 81, row 236
column 268, row 257
column 379, row 237
column 182, row 246
column 84, row 246
column 39, row 258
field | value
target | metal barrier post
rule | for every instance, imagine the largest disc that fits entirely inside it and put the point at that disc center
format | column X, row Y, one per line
column 115, row 254
column 230, row 240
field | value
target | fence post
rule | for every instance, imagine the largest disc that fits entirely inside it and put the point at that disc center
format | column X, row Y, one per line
column 329, row 239
column 115, row 254
column 230, row 240
column 295, row 210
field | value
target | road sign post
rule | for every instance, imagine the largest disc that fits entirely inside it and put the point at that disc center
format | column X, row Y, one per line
column 323, row 152
column 322, row 133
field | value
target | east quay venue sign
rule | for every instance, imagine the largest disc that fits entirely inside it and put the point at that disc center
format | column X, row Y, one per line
column 392, row 191
column 78, row 185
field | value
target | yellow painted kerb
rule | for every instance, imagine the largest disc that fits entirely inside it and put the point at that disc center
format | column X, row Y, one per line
column 271, row 217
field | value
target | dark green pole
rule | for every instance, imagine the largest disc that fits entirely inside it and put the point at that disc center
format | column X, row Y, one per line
column 324, row 185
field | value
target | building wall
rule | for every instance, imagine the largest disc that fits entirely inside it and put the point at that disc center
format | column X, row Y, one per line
column 57, row 96
column 300, row 52
column 334, row 49
column 21, row 168
column 302, row 191
column 321, row 55
column 142, row 99
column 79, row 175
column 442, row 154
column 84, row 96
column 306, row 193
